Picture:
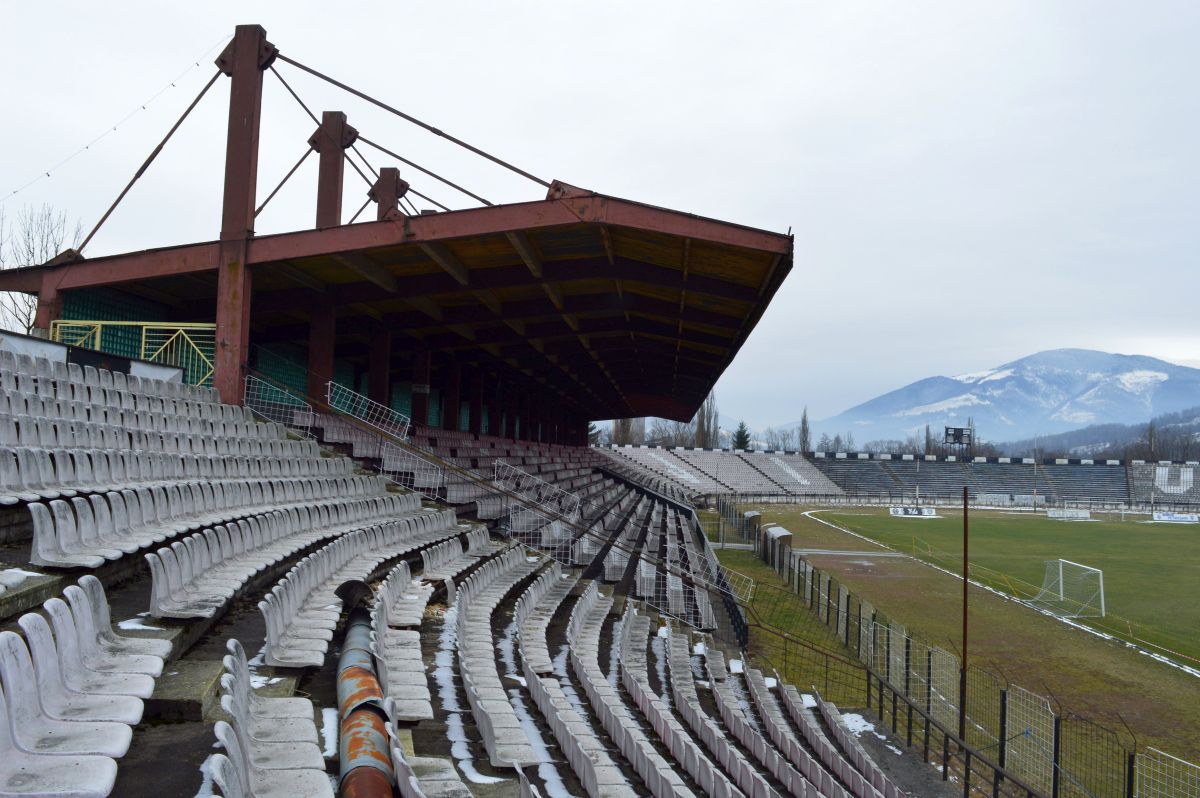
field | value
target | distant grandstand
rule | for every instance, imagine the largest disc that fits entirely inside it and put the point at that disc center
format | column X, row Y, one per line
column 1000, row 481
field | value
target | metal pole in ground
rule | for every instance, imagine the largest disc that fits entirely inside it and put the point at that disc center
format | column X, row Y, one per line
column 962, row 674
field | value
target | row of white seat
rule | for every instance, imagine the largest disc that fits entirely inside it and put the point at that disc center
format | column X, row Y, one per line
column 30, row 473
column 476, row 598
column 21, row 390
column 196, row 576
column 782, row 736
column 64, row 429
column 675, row 737
column 583, row 636
column 302, row 610
column 855, row 753
column 626, row 527
column 589, row 759
column 70, row 696
column 713, row 736
column 802, row 784
column 401, row 671
column 827, row 752
column 22, row 364
column 86, row 532
column 51, row 434
column 76, row 403
column 445, row 561
column 257, row 726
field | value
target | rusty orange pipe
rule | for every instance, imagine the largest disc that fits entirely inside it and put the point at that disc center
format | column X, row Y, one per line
column 364, row 750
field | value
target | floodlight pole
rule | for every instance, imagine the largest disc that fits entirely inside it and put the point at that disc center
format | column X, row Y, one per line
column 962, row 674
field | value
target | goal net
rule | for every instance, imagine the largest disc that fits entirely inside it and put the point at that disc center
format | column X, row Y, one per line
column 1071, row 590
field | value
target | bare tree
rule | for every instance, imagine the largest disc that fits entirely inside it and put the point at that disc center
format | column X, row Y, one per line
column 637, row 431
column 621, row 428
column 707, row 423
column 805, row 432
column 34, row 237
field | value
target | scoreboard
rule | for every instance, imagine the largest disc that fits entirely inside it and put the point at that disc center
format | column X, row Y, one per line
column 959, row 435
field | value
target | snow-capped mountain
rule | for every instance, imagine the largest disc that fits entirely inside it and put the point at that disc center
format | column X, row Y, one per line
column 1048, row 392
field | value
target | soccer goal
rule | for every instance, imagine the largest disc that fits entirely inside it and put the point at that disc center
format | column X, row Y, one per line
column 1071, row 590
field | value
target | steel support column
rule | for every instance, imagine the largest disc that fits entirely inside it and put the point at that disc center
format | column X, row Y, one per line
column 512, row 402
column 386, row 192
column 452, row 397
column 243, row 60
column 420, row 387
column 49, row 304
column 331, row 140
column 475, row 397
column 494, row 411
column 379, row 372
column 528, row 430
column 322, row 330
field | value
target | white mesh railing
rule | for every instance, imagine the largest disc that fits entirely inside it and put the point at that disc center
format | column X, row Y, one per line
column 535, row 492
column 368, row 411
column 409, row 470
column 272, row 403
column 1161, row 775
column 661, row 588
column 709, row 571
column 540, row 531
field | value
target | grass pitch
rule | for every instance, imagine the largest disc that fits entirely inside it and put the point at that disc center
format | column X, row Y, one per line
column 1150, row 575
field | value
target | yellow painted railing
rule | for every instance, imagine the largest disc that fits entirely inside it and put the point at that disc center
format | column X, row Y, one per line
column 186, row 346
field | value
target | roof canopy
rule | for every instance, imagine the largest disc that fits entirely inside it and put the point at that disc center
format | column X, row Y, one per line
column 620, row 309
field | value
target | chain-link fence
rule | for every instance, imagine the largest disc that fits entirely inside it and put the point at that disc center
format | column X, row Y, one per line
column 1015, row 743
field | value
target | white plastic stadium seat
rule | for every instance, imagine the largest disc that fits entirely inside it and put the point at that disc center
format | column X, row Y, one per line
column 50, row 776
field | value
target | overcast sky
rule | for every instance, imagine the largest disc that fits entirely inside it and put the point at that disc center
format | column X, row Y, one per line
column 967, row 184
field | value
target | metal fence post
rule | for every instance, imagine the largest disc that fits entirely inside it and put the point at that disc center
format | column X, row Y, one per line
column 908, row 684
column 858, row 644
column 1054, row 784
column 1002, row 752
column 1131, row 775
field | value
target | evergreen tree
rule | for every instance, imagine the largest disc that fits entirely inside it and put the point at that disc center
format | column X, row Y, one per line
column 593, row 433
column 741, row 436
column 805, row 432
